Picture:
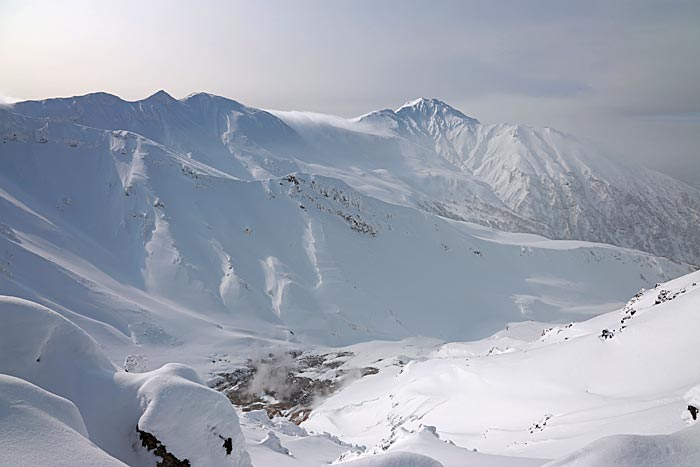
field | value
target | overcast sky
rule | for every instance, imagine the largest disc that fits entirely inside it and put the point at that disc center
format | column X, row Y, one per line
column 625, row 74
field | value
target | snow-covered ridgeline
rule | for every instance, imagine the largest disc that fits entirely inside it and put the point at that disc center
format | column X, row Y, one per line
column 148, row 246
column 425, row 154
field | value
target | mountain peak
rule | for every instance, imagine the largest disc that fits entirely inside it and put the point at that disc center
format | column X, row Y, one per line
column 423, row 102
column 432, row 107
column 160, row 96
column 200, row 97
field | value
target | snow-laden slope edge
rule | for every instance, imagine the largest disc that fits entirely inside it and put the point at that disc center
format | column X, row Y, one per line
column 394, row 459
column 681, row 449
column 38, row 428
column 425, row 441
column 171, row 404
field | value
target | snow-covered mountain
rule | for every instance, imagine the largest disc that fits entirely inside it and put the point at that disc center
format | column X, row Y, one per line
column 138, row 239
column 561, row 188
column 425, row 154
column 327, row 272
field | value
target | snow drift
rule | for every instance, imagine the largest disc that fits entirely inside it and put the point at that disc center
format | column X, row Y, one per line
column 40, row 428
column 84, row 399
column 680, row 449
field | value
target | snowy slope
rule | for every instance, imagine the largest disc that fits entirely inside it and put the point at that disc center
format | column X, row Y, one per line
column 426, row 154
column 84, row 399
column 141, row 245
column 680, row 449
column 40, row 428
column 523, row 369
column 559, row 187
column 532, row 390
column 275, row 442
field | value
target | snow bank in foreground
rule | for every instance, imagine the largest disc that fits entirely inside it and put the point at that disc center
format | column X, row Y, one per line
column 192, row 421
column 427, row 441
column 40, row 428
column 131, row 417
column 681, row 449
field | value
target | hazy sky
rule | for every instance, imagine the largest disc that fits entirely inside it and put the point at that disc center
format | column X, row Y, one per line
column 625, row 74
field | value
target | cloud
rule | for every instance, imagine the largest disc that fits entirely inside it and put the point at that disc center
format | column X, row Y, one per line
column 5, row 99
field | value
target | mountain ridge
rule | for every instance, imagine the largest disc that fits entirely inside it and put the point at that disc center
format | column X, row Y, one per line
column 143, row 234
column 425, row 154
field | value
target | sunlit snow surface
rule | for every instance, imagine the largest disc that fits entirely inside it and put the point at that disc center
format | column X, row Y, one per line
column 514, row 399
column 138, row 234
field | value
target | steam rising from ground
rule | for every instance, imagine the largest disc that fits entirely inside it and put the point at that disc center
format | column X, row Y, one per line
column 271, row 376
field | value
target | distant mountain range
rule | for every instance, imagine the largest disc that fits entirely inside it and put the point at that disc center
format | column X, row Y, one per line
column 149, row 218
column 426, row 154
